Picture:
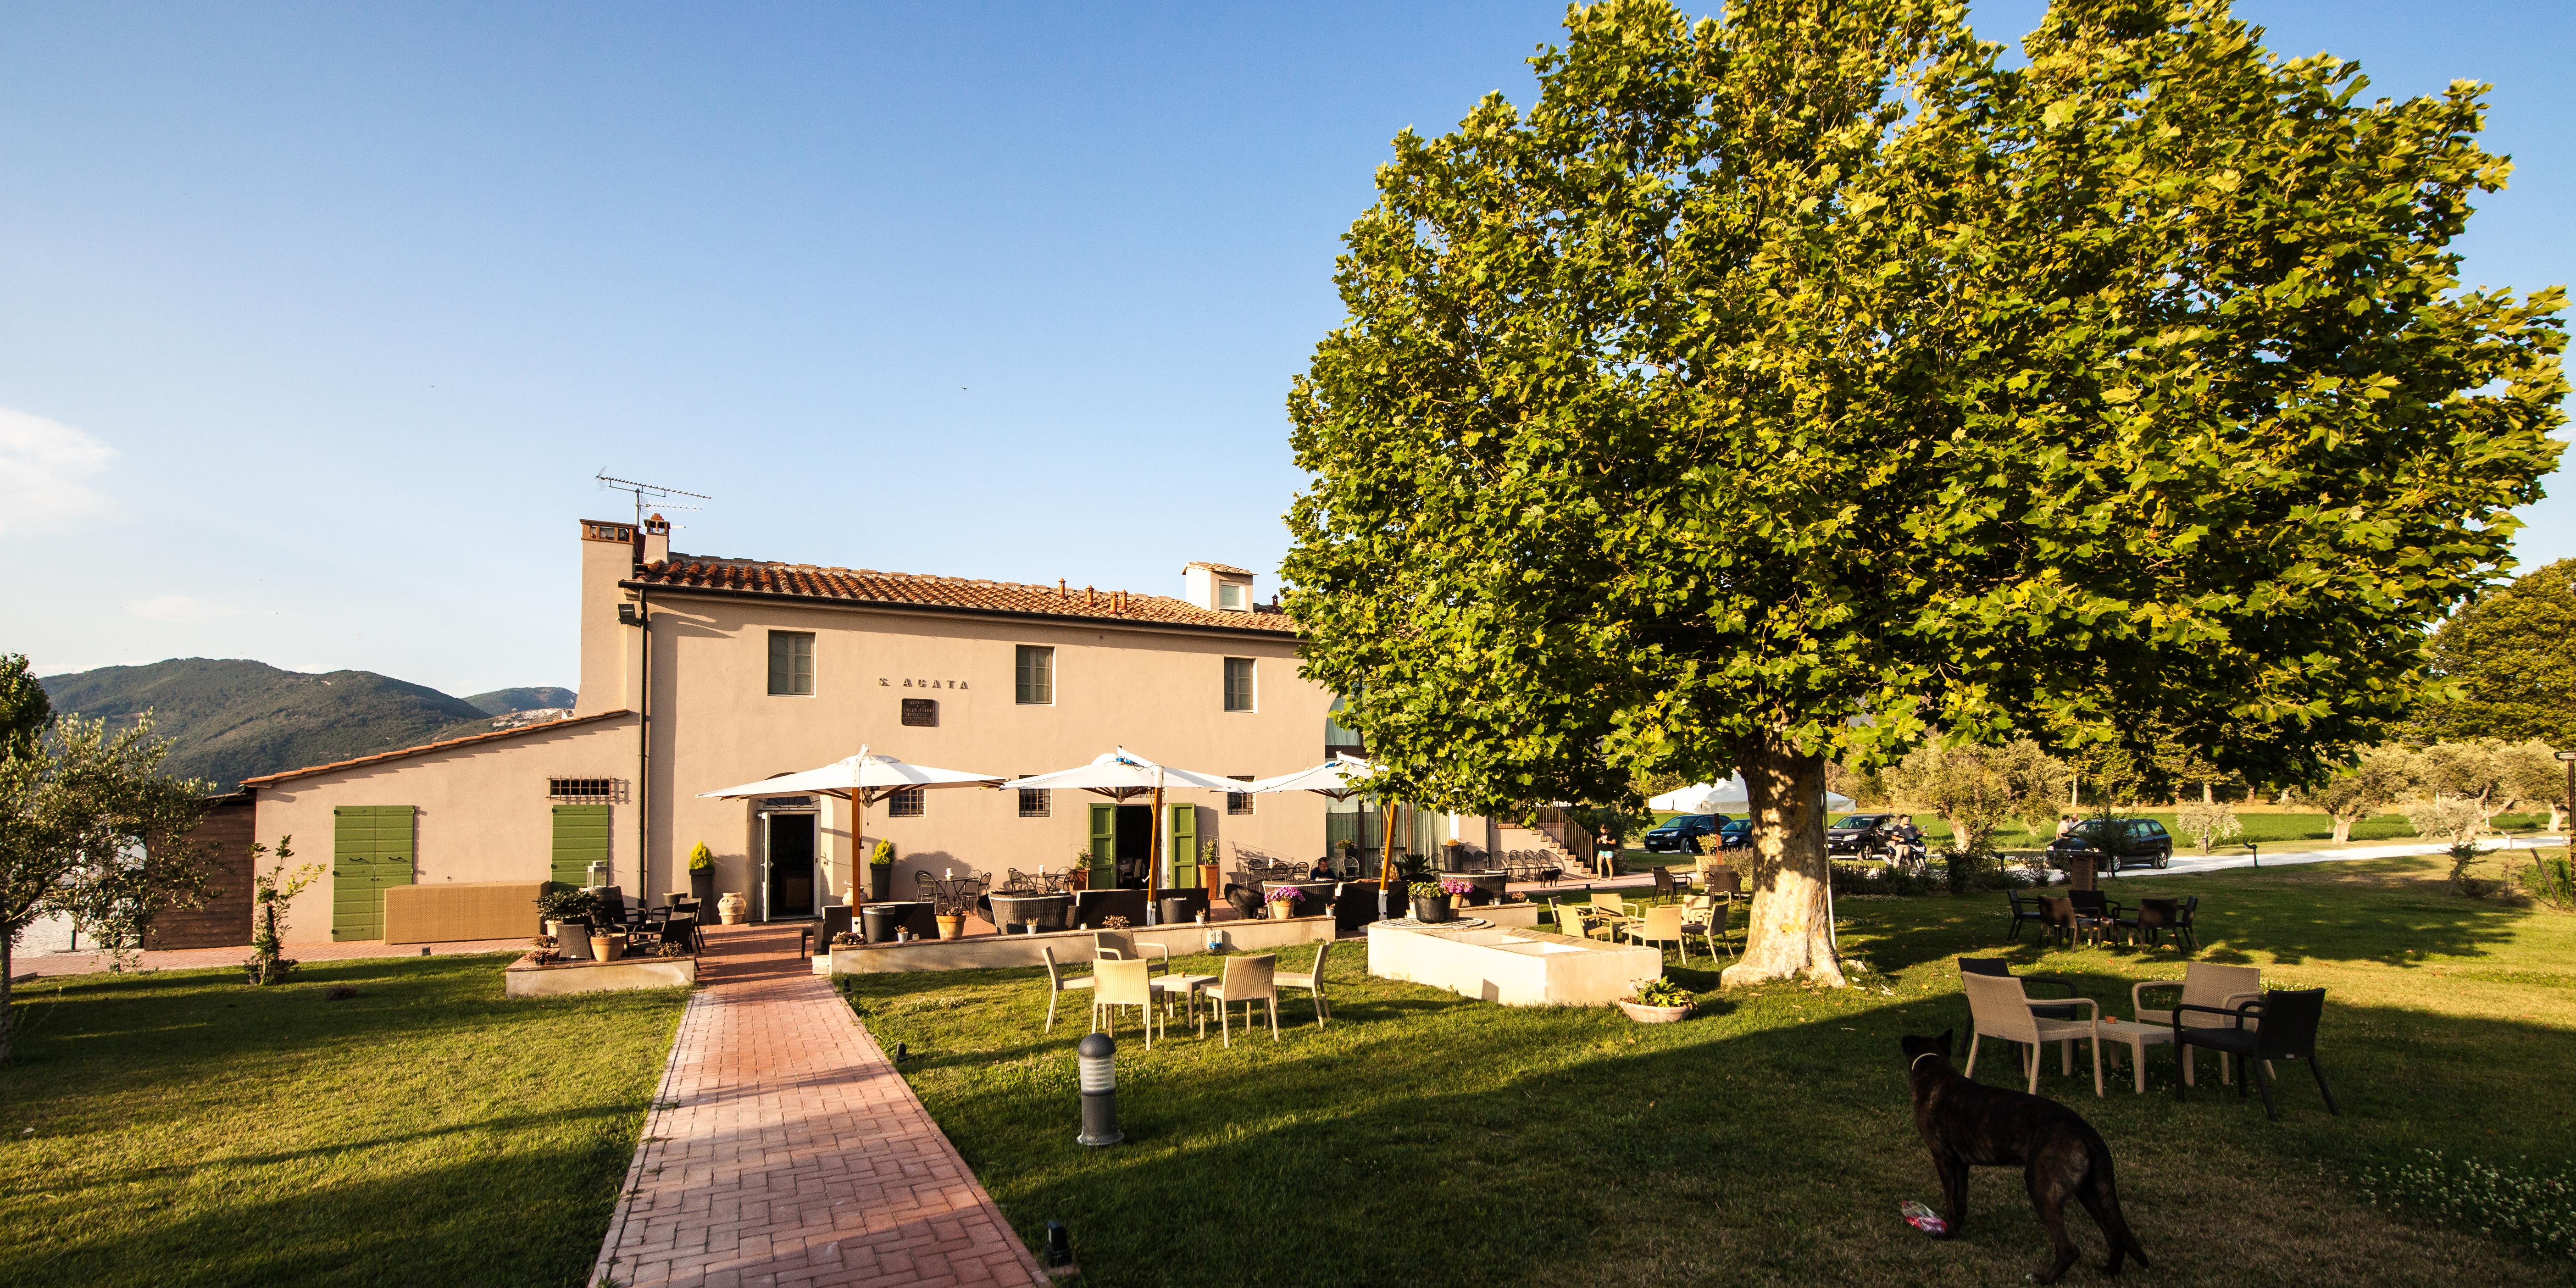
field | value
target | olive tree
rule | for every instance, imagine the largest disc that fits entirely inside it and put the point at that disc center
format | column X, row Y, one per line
column 76, row 813
column 2378, row 778
column 1976, row 790
column 1781, row 387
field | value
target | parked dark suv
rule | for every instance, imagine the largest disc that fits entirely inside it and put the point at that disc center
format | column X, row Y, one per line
column 1685, row 834
column 1859, row 834
column 2115, row 843
column 1735, row 834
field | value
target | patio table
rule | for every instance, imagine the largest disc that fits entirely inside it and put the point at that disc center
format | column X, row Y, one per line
column 2139, row 1037
column 1187, row 986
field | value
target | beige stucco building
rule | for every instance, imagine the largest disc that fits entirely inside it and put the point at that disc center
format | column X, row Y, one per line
column 699, row 673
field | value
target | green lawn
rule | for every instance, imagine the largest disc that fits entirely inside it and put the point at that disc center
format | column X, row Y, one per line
column 185, row 1128
column 1425, row 1138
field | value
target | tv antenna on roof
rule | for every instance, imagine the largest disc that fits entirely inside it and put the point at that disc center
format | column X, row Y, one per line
column 655, row 494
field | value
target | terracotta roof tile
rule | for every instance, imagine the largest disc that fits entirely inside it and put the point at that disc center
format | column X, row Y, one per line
column 1216, row 567
column 398, row 753
column 899, row 589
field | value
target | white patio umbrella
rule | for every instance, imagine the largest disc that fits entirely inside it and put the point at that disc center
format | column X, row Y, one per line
column 863, row 780
column 1123, row 775
column 1339, row 779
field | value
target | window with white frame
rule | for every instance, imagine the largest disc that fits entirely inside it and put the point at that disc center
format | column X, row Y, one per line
column 1238, row 684
column 905, row 803
column 1232, row 594
column 1035, row 675
column 791, row 662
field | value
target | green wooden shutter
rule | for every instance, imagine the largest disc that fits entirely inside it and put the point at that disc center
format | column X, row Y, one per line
column 581, row 839
column 1185, row 847
column 1104, row 847
column 371, row 848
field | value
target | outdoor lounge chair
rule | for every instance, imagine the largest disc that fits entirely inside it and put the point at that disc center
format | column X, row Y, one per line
column 1997, row 966
column 2157, row 917
column 1059, row 982
column 1312, row 981
column 1998, row 1008
column 2206, row 985
column 1706, row 916
column 2288, row 1032
column 1118, row 945
column 1571, row 920
column 2022, row 912
column 1246, row 980
column 1664, row 882
column 1661, row 925
column 1122, row 983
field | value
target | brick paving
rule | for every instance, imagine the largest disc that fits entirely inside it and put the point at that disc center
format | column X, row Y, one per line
column 784, row 1151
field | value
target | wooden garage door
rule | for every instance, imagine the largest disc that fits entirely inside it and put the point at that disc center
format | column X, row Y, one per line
column 581, row 839
column 371, row 848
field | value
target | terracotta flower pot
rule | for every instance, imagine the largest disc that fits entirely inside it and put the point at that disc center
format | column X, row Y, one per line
column 952, row 927
column 608, row 948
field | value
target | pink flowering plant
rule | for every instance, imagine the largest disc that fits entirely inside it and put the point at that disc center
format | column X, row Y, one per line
column 1287, row 894
column 1457, row 889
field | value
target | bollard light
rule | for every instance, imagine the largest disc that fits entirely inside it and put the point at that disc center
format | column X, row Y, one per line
column 1097, row 1059
column 1059, row 1245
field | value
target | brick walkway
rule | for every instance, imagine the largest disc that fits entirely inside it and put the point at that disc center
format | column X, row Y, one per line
column 783, row 1151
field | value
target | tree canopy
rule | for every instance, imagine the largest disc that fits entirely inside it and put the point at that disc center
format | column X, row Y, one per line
column 1794, row 384
column 2510, row 660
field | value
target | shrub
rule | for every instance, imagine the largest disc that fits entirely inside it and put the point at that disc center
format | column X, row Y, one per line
column 883, row 854
column 271, row 892
column 2207, row 824
column 566, row 903
column 1427, row 889
column 701, row 858
column 2536, row 1209
column 1662, row 992
column 2550, row 880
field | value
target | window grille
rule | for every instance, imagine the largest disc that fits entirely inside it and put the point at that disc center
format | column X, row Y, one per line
column 1239, row 802
column 791, row 662
column 1035, row 802
column 586, row 791
column 1036, row 675
column 905, row 803
column 921, row 713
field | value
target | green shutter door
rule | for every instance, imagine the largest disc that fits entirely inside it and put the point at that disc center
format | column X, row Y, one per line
column 1104, row 847
column 371, row 848
column 1185, row 846
column 581, row 839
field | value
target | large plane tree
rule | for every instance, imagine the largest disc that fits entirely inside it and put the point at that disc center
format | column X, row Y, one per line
column 1791, row 386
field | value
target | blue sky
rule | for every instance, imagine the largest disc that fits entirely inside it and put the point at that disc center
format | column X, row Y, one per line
column 316, row 321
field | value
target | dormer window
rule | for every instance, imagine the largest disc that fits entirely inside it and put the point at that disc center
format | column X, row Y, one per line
column 1233, row 596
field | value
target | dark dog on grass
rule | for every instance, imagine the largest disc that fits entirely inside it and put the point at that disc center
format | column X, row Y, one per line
column 1968, row 1124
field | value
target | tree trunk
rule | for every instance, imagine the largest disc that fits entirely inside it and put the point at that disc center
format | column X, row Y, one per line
column 8, row 1040
column 2343, row 828
column 2206, row 796
column 1790, row 929
column 2075, row 791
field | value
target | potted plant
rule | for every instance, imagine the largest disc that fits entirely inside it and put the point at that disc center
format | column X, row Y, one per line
column 880, row 869
column 1430, row 902
column 702, row 872
column 1208, row 875
column 1283, row 902
column 1658, row 1001
column 566, row 912
column 607, row 945
column 1078, row 877
column 1461, row 891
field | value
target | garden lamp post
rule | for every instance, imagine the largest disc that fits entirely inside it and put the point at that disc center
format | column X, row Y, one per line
column 1096, row 1062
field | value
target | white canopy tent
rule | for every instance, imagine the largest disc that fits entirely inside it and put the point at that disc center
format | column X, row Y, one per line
column 1123, row 775
column 1724, row 798
column 863, row 780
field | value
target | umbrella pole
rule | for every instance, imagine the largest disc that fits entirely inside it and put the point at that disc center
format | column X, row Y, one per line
column 858, row 858
column 1387, row 904
column 1153, row 848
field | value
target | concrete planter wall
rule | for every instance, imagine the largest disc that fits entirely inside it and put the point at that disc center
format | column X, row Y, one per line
column 987, row 952
column 1513, row 967
column 524, row 978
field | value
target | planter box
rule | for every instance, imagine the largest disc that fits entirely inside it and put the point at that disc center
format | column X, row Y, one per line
column 525, row 978
column 1644, row 1014
column 1513, row 967
column 1073, row 947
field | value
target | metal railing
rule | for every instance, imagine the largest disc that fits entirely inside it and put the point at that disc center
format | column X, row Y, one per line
column 1552, row 822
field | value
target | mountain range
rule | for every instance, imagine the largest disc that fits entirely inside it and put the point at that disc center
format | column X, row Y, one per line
column 230, row 719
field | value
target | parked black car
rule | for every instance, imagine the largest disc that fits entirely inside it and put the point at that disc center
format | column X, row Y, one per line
column 1684, row 833
column 2115, row 843
column 1859, row 834
column 1735, row 834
